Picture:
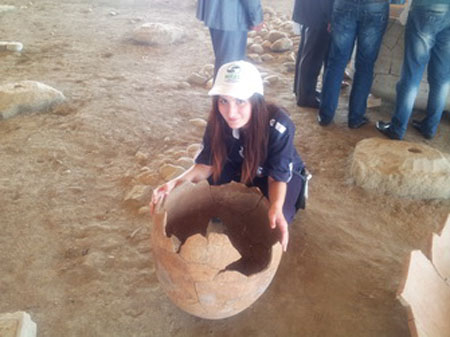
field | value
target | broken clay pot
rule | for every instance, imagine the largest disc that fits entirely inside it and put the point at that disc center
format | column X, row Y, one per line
column 214, row 250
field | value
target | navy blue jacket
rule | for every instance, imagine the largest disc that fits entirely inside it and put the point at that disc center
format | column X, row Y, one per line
column 312, row 13
column 282, row 158
column 230, row 15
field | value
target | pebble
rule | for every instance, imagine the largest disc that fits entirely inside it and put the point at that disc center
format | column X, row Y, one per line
column 199, row 122
column 282, row 45
column 197, row 79
column 169, row 171
column 193, row 150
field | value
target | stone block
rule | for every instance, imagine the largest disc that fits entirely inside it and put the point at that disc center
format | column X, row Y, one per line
column 18, row 324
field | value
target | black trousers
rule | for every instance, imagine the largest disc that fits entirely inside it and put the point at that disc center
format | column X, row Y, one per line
column 312, row 55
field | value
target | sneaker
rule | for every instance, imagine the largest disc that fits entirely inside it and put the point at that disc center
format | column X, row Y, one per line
column 418, row 126
column 362, row 122
column 385, row 129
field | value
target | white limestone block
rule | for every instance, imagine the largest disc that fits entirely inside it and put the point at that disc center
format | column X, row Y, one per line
column 401, row 168
column 11, row 46
column 27, row 96
column 17, row 324
column 158, row 33
column 282, row 45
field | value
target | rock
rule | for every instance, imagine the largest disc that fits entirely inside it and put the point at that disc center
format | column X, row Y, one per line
column 287, row 26
column 199, row 122
column 255, row 58
column 157, row 33
column 185, row 162
column 272, row 79
column 275, row 35
column 282, row 45
column 183, row 85
column 113, row 13
column 169, row 171
column 144, row 210
column 11, row 46
column 209, row 83
column 290, row 66
column 267, row 57
column 17, row 324
column 27, row 96
column 269, row 11
column 141, row 157
column 197, row 79
column 194, row 149
column 401, row 168
column 266, row 45
column 140, row 194
column 6, row 8
column 208, row 70
column 256, row 48
column 147, row 177
column 258, row 40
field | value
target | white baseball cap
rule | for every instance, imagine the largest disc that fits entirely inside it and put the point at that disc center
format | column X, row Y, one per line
column 238, row 79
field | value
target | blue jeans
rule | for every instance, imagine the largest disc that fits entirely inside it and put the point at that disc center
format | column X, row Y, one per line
column 364, row 23
column 427, row 41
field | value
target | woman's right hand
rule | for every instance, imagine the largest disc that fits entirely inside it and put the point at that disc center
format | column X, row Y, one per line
column 160, row 193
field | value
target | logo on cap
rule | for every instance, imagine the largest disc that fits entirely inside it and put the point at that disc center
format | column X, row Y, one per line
column 233, row 73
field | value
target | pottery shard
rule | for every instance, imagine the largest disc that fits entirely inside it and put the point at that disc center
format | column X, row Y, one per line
column 282, row 45
column 27, row 96
column 169, row 171
column 440, row 251
column 18, row 324
column 401, row 168
column 215, row 251
column 427, row 297
column 157, row 33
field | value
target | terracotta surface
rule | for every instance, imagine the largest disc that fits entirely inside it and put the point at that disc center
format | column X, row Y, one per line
column 440, row 251
column 427, row 298
column 228, row 254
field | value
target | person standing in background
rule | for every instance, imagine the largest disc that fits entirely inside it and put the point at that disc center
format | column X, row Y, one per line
column 314, row 17
column 427, row 41
column 360, row 22
column 229, row 22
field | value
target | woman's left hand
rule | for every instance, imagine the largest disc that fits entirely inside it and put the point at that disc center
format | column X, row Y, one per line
column 277, row 219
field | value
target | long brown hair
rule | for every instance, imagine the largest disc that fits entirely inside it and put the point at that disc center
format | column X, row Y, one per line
column 255, row 136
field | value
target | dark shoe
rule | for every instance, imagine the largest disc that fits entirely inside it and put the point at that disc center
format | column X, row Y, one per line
column 418, row 126
column 313, row 103
column 362, row 122
column 385, row 129
column 322, row 122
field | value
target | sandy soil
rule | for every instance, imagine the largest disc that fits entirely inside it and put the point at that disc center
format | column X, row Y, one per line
column 77, row 257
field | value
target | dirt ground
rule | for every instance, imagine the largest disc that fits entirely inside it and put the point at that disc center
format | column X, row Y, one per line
column 78, row 258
